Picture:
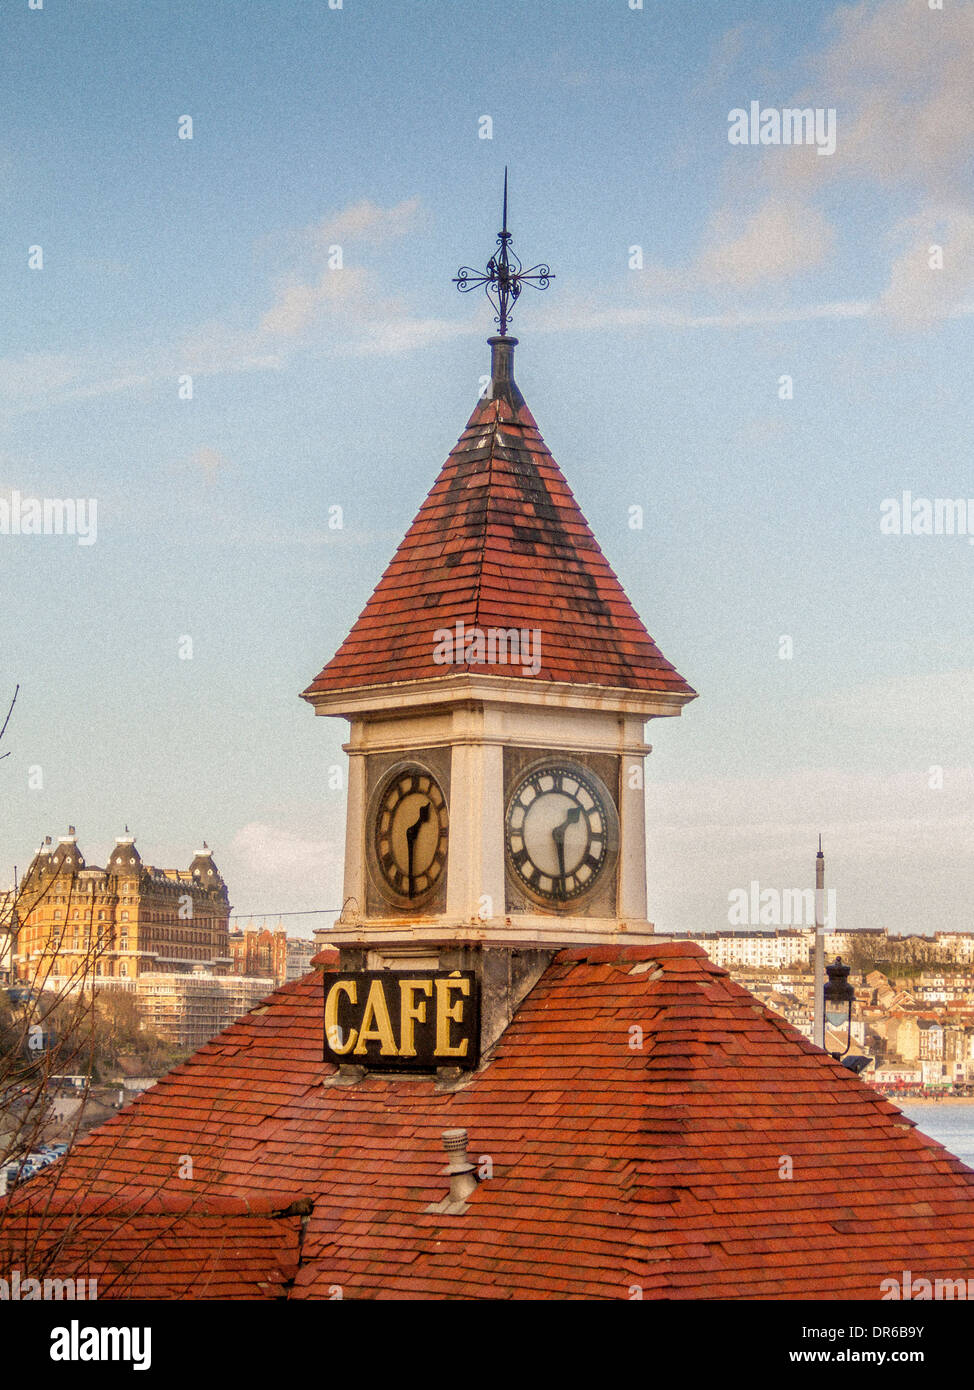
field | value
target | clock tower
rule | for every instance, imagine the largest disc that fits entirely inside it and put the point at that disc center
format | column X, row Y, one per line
column 497, row 686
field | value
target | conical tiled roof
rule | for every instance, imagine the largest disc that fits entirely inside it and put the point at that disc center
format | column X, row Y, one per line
column 500, row 542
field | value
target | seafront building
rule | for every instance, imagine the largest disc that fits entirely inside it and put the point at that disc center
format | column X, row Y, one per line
column 781, row 948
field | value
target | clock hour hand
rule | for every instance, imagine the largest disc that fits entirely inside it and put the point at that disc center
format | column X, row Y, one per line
column 411, row 832
column 558, row 835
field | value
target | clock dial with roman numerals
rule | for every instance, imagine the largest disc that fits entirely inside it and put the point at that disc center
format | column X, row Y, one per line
column 411, row 831
column 557, row 832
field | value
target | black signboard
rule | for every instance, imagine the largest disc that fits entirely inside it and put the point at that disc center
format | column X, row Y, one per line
column 403, row 1021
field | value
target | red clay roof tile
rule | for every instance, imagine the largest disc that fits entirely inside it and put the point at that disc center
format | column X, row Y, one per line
column 500, row 542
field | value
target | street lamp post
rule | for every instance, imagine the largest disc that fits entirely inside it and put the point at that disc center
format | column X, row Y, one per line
column 840, row 994
column 818, row 984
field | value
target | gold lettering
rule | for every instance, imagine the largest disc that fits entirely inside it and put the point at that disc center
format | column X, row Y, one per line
column 333, row 1032
column 376, row 1024
column 411, row 1012
column 444, row 1012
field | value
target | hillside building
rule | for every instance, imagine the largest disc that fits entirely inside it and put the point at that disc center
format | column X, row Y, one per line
column 263, row 953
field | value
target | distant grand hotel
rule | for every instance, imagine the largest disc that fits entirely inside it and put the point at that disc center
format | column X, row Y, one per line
column 160, row 934
column 123, row 921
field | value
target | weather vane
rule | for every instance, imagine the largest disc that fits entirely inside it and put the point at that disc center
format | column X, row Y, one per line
column 503, row 278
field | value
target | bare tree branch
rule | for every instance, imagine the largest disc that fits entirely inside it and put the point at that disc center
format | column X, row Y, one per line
column 7, row 720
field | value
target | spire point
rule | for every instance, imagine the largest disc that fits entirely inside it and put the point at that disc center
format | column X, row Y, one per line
column 502, row 383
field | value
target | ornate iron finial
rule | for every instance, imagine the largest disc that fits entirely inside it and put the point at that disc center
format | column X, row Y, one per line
column 503, row 278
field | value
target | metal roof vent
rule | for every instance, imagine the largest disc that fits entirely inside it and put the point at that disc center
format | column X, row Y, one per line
column 460, row 1171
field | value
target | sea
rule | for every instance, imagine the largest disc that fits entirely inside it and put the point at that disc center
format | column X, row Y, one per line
column 950, row 1122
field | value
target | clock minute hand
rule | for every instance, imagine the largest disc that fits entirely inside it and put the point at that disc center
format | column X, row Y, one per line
column 411, row 833
column 558, row 835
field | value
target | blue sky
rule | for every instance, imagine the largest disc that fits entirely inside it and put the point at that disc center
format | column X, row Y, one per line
column 659, row 387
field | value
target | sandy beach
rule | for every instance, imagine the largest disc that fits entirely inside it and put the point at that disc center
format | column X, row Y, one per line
column 931, row 1100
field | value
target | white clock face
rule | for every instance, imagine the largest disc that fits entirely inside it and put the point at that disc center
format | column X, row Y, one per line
column 558, row 832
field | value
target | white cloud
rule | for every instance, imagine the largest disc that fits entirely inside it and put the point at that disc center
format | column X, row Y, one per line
column 214, row 347
column 108, row 386
column 917, row 292
column 276, row 869
column 898, row 75
column 581, row 314
column 744, row 248
column 403, row 333
column 36, row 375
column 340, row 309
column 209, row 462
column 366, row 221
column 298, row 305
column 901, row 75
column 273, row 851
column 36, row 380
column 779, row 239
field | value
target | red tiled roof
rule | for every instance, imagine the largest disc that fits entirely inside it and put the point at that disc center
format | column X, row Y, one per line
column 500, row 542
column 614, row 1165
column 210, row 1254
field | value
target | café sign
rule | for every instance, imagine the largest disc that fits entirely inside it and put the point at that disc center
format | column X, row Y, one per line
column 414, row 1021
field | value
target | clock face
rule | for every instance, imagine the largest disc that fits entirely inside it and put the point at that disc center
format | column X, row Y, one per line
column 411, row 825
column 558, row 832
